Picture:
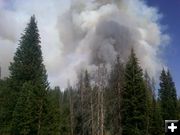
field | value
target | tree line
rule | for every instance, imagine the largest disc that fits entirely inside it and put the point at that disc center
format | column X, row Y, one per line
column 122, row 101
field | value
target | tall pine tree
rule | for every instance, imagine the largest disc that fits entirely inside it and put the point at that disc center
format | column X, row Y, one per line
column 167, row 96
column 28, row 61
column 154, row 119
column 134, row 99
column 24, row 116
column 7, row 103
column 28, row 67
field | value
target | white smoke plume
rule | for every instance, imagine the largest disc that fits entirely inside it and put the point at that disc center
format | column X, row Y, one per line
column 8, row 36
column 94, row 32
column 84, row 33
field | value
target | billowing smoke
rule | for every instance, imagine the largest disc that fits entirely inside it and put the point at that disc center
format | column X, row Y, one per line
column 8, row 36
column 94, row 32
column 84, row 34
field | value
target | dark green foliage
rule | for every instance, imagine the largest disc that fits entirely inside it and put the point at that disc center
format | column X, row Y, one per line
column 26, row 68
column 65, row 114
column 7, row 103
column 153, row 116
column 24, row 116
column 114, row 98
column 78, row 105
column 178, row 108
column 157, row 127
column 127, row 105
column 150, row 98
column 53, row 107
column 27, row 65
column 134, row 99
column 167, row 96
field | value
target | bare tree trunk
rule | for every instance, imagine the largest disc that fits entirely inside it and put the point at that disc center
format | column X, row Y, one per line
column 102, row 113
column 98, row 114
column 102, row 86
column 92, row 114
column 82, row 102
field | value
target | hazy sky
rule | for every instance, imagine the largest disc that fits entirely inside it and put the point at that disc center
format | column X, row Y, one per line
column 72, row 34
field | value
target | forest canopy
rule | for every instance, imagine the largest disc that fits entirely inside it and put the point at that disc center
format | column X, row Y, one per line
column 122, row 101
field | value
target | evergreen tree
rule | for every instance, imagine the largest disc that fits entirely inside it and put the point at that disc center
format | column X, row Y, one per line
column 28, row 67
column 7, row 103
column 28, row 61
column 167, row 96
column 114, row 98
column 24, row 117
column 52, row 117
column 65, row 114
column 155, row 118
column 78, row 105
column 173, row 95
column 128, row 106
column 134, row 99
column 157, row 127
column 148, row 101
column 178, row 108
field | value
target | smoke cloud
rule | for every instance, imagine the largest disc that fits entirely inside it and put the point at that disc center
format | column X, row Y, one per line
column 84, row 33
column 94, row 32
column 8, row 36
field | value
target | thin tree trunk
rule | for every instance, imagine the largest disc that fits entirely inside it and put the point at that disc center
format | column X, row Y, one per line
column 92, row 114
column 98, row 112
column 101, row 84
column 82, row 109
column 102, row 113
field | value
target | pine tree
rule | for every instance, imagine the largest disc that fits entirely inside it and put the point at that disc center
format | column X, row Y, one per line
column 167, row 96
column 7, row 103
column 78, row 105
column 134, row 99
column 28, row 61
column 28, row 67
column 155, row 122
column 114, row 98
column 51, row 122
column 65, row 128
column 178, row 108
column 157, row 127
column 24, row 117
column 173, row 95
column 148, row 101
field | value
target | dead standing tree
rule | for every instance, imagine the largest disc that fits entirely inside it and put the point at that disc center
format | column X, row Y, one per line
column 101, row 83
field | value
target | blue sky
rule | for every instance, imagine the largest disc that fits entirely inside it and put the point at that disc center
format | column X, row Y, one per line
column 171, row 19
